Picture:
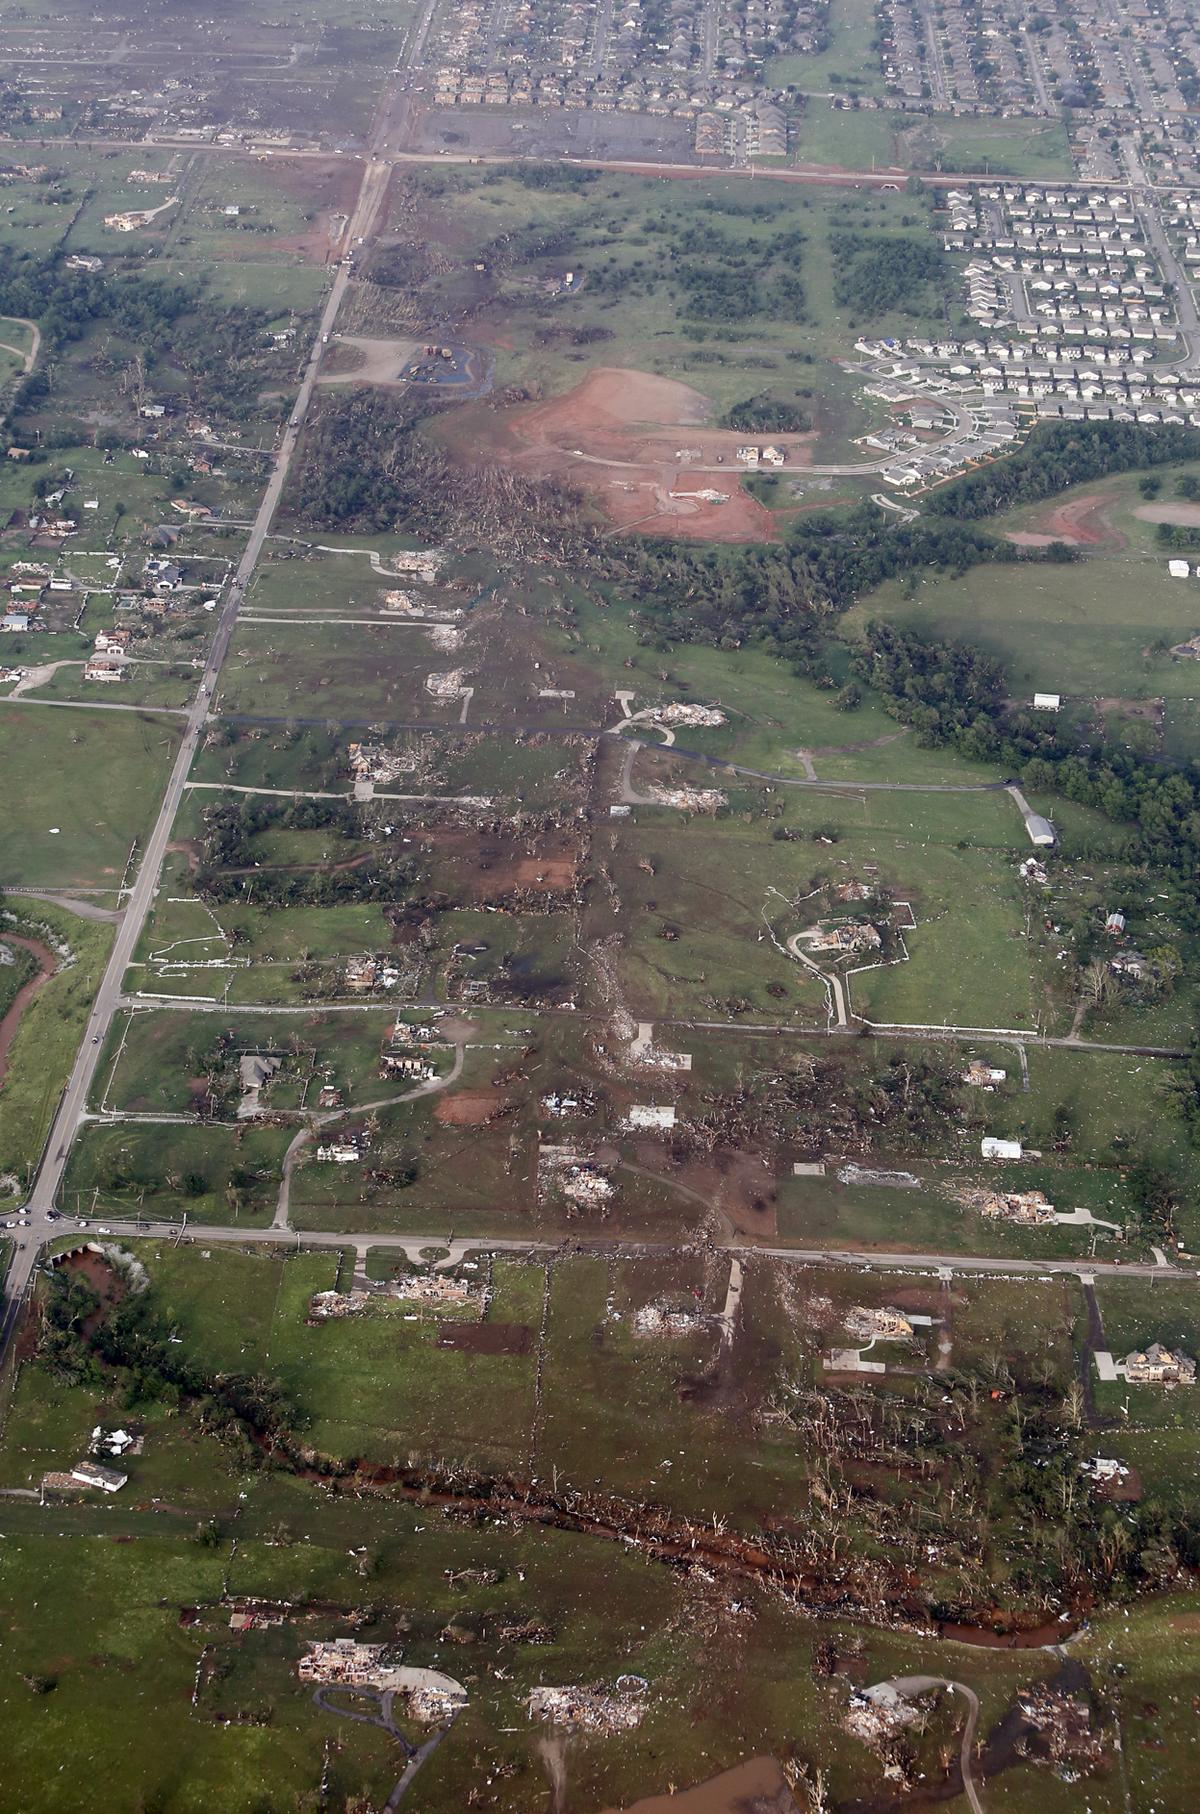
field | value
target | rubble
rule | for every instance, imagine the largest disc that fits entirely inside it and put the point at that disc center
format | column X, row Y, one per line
column 679, row 712
column 1027, row 1208
column 592, row 1709
column 983, row 1076
column 425, row 563
column 876, row 1324
column 658, row 1319
column 1065, row 1736
column 449, row 685
column 574, row 1176
column 853, row 935
column 687, row 799
column 875, row 1715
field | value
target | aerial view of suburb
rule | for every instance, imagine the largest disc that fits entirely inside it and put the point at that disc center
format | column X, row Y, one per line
column 599, row 907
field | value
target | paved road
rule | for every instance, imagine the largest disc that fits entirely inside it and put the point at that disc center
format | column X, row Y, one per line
column 140, row 900
column 458, row 1245
column 910, row 1686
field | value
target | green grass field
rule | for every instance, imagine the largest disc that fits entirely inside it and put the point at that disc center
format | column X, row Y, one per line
column 49, row 1031
column 88, row 786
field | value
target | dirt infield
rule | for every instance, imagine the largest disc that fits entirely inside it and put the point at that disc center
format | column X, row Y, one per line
column 469, row 1108
column 643, row 445
column 1083, row 522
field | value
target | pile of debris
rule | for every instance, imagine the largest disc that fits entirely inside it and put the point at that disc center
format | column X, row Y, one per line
column 681, row 713
column 578, row 1102
column 657, row 1319
column 449, row 685
column 1027, row 1208
column 875, row 1715
column 574, row 1176
column 982, row 1076
column 1063, row 1734
column 369, row 972
column 431, row 1704
column 425, row 563
column 345, row 1663
column 593, row 1709
column 852, row 936
column 434, row 1288
column 372, row 762
column 445, row 637
column 328, row 1306
column 877, row 1324
column 687, row 799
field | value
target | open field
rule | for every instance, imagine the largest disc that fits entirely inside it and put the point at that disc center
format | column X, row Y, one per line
column 86, row 797
column 48, row 1032
column 214, row 1174
column 1099, row 631
column 625, row 306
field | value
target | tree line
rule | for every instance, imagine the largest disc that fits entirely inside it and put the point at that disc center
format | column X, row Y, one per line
column 1059, row 455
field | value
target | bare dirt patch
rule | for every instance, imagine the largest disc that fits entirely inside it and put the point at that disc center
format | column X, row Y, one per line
column 485, row 868
column 486, row 1338
column 469, row 1108
column 758, row 1784
column 1184, row 516
column 358, row 359
column 1082, row 522
column 642, row 444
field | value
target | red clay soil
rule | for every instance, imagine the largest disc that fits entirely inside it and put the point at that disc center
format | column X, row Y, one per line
column 486, row 1338
column 1082, row 522
column 468, row 1108
column 618, row 434
column 21, row 1000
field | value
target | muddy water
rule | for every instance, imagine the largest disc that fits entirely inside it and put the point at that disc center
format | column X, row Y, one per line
column 758, row 1784
column 46, row 963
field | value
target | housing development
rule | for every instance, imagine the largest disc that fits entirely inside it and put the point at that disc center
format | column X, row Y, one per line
column 599, row 940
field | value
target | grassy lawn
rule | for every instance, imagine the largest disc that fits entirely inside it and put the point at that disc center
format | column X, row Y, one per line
column 153, row 1058
column 215, row 1174
column 89, row 785
column 848, row 62
column 49, row 1032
